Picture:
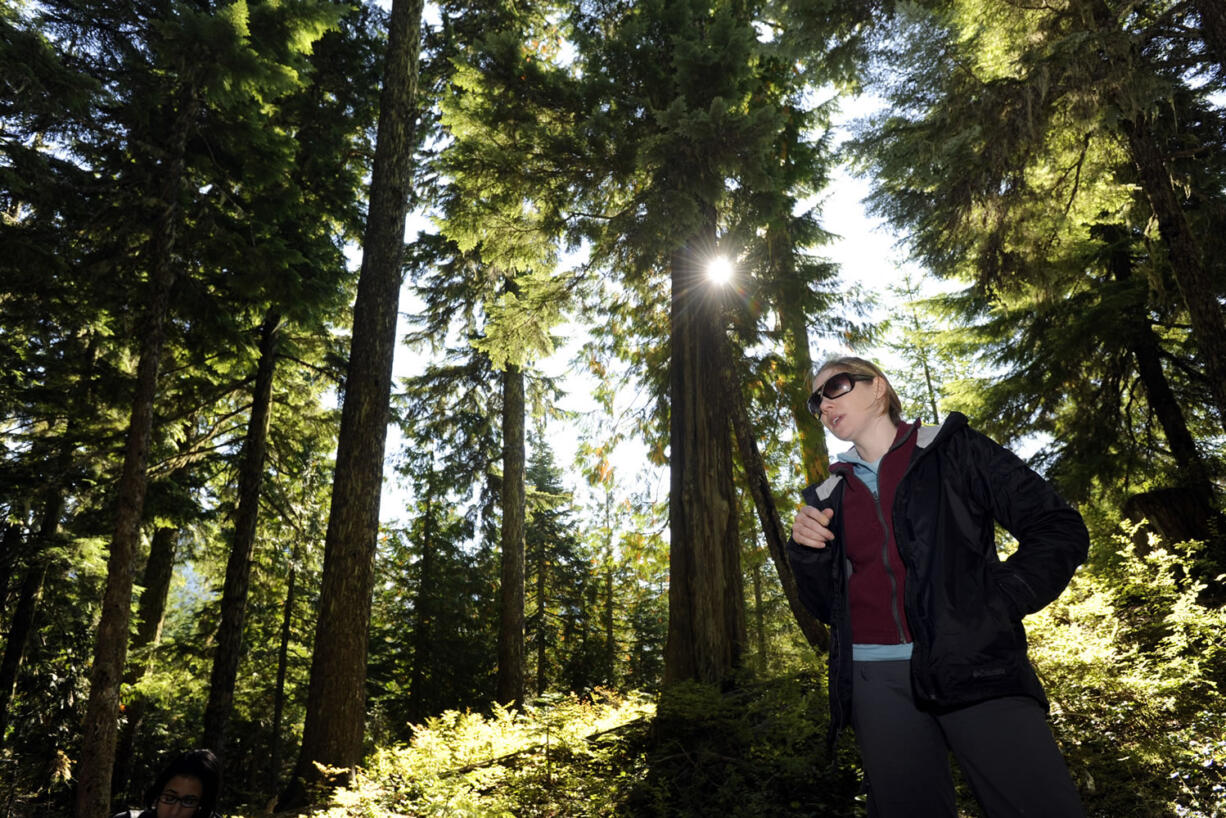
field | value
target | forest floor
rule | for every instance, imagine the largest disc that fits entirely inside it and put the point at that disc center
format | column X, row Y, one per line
column 759, row 749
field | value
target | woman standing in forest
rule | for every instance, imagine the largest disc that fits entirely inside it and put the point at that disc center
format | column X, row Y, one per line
column 186, row 788
column 896, row 552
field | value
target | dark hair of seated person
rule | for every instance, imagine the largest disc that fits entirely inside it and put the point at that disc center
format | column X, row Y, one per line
column 201, row 764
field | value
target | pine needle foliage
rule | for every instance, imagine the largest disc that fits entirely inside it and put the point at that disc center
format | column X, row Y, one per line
column 1010, row 156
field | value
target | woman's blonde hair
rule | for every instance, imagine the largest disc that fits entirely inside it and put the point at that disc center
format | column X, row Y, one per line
column 859, row 366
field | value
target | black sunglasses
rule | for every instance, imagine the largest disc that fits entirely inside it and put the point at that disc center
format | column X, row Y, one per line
column 835, row 386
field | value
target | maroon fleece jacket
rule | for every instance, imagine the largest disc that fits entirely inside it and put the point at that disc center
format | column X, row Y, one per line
column 878, row 577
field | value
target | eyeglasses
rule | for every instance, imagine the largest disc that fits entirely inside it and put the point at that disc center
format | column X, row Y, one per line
column 835, row 386
column 188, row 801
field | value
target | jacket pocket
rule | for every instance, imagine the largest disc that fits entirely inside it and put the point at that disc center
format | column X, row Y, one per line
column 1013, row 590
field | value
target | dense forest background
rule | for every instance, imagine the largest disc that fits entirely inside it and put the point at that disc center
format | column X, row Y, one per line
column 204, row 257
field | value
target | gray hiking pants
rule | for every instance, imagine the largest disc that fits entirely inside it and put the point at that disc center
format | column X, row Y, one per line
column 1003, row 746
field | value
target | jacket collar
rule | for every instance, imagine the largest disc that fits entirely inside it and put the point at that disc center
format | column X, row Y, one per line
column 848, row 458
column 925, row 437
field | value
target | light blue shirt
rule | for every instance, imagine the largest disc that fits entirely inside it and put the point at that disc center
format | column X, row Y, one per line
column 866, row 471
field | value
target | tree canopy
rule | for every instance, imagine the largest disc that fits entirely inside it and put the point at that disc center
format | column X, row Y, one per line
column 368, row 414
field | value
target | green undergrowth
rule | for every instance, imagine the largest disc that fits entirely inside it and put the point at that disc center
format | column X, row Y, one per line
column 1132, row 659
column 1133, row 663
column 696, row 751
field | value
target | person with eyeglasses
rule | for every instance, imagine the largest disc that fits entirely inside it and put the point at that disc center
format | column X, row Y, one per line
column 896, row 552
column 187, row 787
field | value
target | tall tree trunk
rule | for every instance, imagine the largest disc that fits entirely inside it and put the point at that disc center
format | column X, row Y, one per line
column 610, row 646
column 22, row 624
column 53, row 502
column 336, row 700
column 759, row 618
column 768, row 515
column 278, row 701
column 511, row 625
column 151, row 612
column 1198, row 489
column 706, row 620
column 1195, row 285
column 100, row 729
column 542, row 615
column 10, row 545
column 1146, row 351
column 238, row 568
column 111, row 645
column 423, row 626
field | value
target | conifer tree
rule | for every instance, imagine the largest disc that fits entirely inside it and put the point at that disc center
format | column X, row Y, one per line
column 558, row 573
column 302, row 222
column 686, row 108
column 178, row 106
column 333, row 731
column 497, row 213
column 1042, row 175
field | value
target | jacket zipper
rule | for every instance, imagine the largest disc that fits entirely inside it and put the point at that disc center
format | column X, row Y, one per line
column 885, row 546
column 885, row 557
column 889, row 570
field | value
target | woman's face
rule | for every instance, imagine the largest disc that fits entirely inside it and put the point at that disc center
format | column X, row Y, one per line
column 851, row 412
column 180, row 798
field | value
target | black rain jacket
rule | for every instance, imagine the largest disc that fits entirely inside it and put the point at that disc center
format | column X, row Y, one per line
column 964, row 606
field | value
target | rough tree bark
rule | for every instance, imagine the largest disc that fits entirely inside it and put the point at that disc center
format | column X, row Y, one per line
column 706, row 614
column 510, row 685
column 100, row 729
column 336, row 699
column 238, row 568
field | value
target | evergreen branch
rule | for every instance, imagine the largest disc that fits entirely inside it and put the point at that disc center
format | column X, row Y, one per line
column 330, row 373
